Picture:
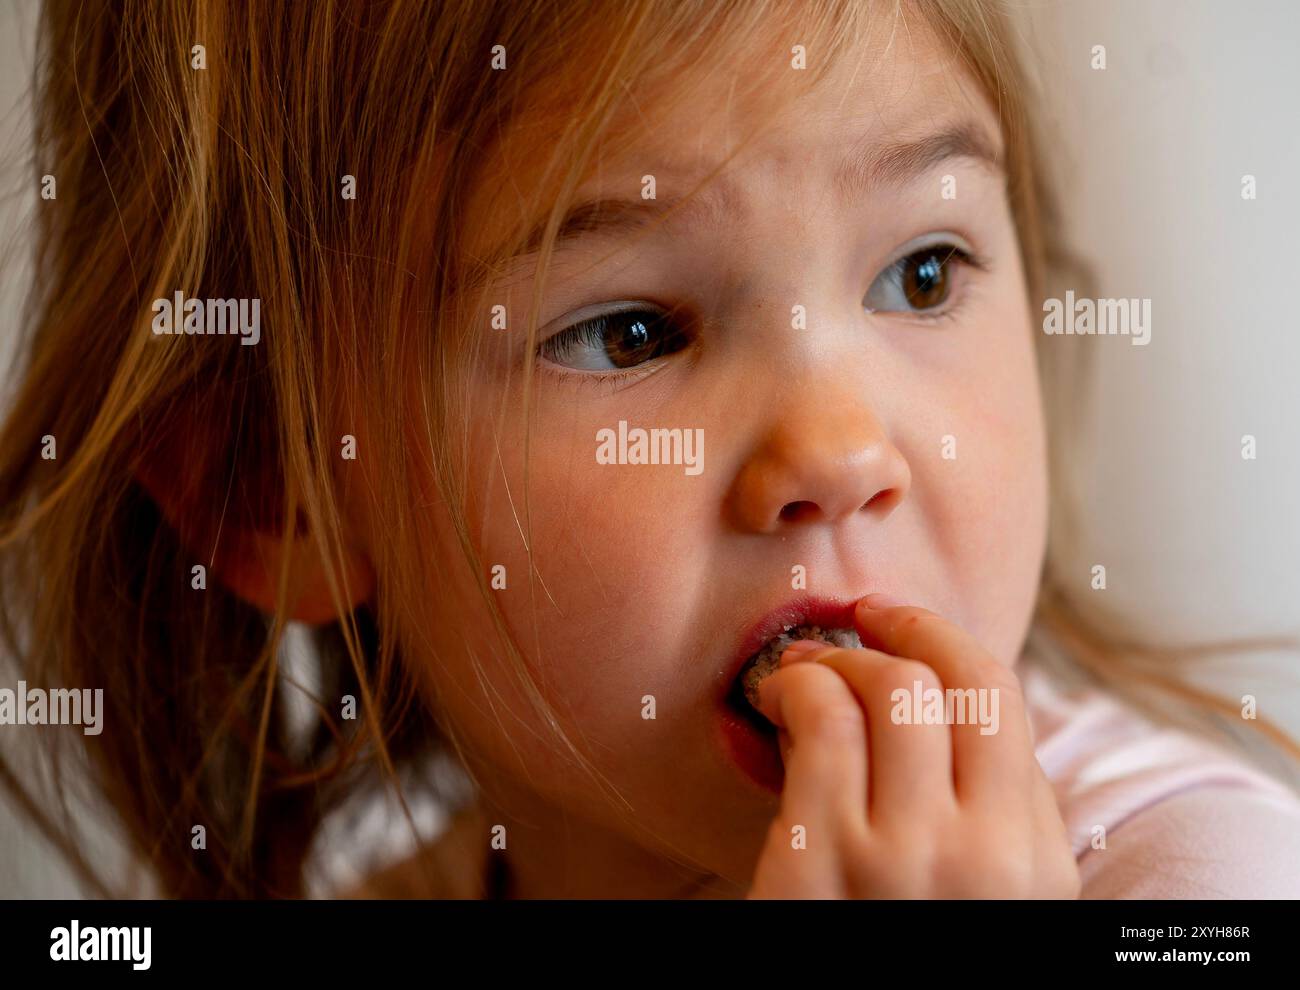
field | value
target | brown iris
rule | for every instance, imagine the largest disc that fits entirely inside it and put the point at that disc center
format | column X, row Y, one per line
column 637, row 336
column 926, row 280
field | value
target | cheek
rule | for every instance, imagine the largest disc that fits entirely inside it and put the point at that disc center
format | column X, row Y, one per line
column 608, row 561
column 988, row 503
column 609, row 556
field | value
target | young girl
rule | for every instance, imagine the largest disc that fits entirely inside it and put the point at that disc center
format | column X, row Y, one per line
column 594, row 348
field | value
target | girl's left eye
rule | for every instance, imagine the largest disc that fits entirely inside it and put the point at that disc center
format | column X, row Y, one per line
column 616, row 340
column 918, row 282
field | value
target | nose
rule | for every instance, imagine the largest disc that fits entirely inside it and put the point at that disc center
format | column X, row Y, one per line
column 823, row 460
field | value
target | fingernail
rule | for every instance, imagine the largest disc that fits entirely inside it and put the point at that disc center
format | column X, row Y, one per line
column 879, row 601
column 801, row 646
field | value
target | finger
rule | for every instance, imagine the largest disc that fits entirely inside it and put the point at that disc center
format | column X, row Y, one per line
column 909, row 763
column 826, row 764
column 1054, row 855
column 797, row 862
column 979, row 697
column 917, row 633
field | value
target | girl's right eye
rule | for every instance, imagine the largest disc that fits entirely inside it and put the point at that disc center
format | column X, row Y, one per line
column 615, row 340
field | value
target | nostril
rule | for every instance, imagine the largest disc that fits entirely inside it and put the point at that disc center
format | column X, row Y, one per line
column 794, row 511
column 884, row 500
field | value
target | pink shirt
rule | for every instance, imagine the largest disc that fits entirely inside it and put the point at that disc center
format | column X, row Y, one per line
column 1183, row 817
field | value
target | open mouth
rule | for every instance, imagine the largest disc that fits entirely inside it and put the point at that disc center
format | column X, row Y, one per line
column 743, row 696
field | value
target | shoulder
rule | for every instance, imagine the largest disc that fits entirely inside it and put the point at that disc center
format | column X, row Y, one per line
column 1154, row 811
column 1209, row 842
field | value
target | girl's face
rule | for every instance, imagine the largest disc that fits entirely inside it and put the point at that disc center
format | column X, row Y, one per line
column 841, row 315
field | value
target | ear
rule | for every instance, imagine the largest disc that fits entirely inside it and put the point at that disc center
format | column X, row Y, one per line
column 250, row 566
column 246, row 555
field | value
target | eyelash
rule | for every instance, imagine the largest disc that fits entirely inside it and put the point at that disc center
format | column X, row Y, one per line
column 587, row 331
column 955, row 305
column 609, row 380
column 614, row 379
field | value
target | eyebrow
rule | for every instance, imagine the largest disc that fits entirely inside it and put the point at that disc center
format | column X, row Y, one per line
column 858, row 173
column 898, row 164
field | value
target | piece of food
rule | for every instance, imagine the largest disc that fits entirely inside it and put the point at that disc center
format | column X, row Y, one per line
column 768, row 659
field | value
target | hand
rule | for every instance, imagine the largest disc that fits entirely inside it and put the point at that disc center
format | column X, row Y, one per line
column 907, row 810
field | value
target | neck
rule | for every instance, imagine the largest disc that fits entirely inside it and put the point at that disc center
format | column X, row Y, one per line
column 554, row 855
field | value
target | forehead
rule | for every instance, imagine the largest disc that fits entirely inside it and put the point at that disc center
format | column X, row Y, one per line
column 755, row 120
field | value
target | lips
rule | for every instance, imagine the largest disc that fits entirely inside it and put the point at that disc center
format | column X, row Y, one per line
column 828, row 613
column 768, row 659
column 747, row 738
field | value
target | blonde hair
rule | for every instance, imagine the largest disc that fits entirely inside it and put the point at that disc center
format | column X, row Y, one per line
column 225, row 179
